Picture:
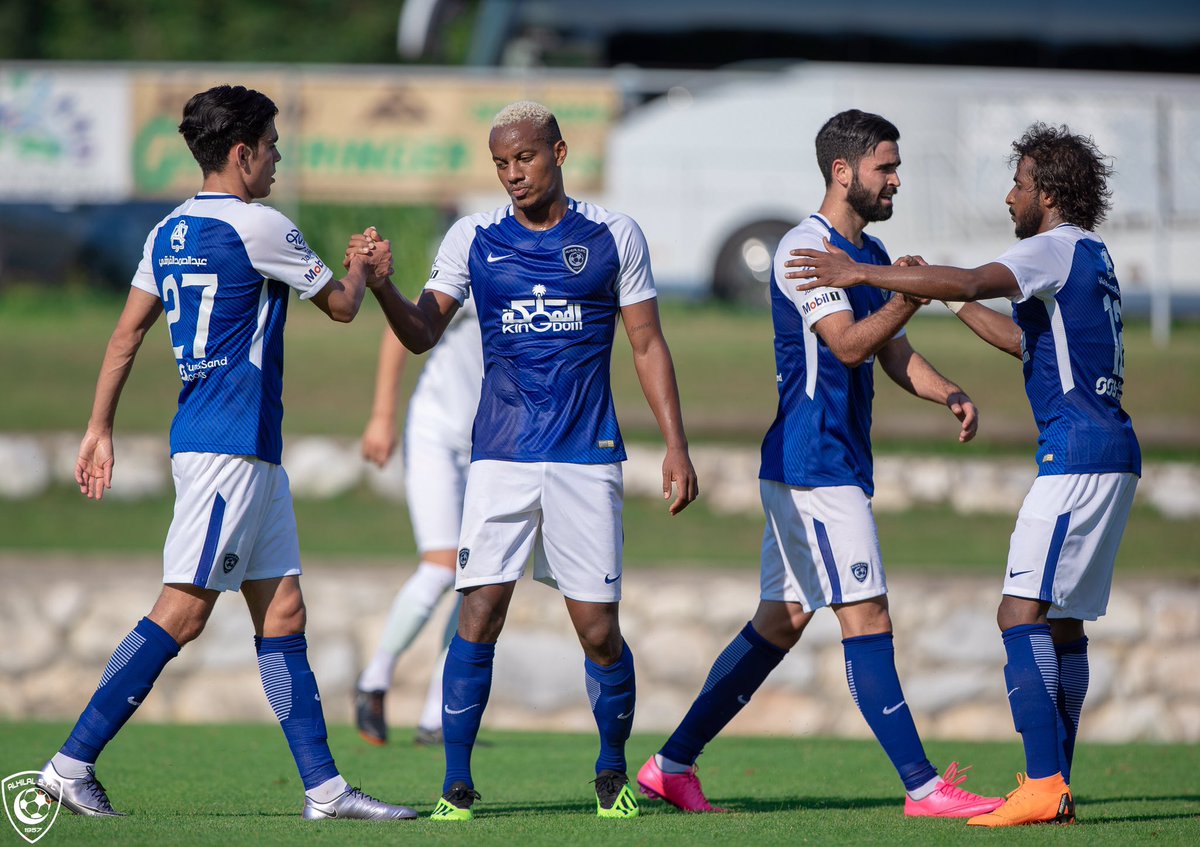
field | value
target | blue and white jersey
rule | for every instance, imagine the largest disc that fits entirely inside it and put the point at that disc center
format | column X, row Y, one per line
column 1073, row 352
column 548, row 304
column 821, row 435
column 223, row 268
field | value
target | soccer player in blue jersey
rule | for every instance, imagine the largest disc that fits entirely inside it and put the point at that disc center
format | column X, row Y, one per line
column 820, row 546
column 549, row 275
column 221, row 267
column 1066, row 329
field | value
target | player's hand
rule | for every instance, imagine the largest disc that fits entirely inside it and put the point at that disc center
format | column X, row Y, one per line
column 910, row 262
column 361, row 244
column 379, row 440
column 677, row 471
column 380, row 264
column 831, row 268
column 93, row 467
column 962, row 407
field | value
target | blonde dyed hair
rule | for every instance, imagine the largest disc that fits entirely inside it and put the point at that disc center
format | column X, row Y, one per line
column 538, row 115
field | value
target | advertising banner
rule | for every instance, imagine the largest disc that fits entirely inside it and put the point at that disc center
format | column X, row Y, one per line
column 348, row 137
column 64, row 135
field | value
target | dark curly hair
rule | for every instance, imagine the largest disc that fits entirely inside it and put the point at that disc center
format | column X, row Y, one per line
column 217, row 119
column 1070, row 169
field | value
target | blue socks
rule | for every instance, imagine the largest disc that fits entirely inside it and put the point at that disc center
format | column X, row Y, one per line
column 292, row 692
column 875, row 687
column 612, row 692
column 466, row 684
column 128, row 678
column 1072, row 688
column 1032, row 679
column 735, row 676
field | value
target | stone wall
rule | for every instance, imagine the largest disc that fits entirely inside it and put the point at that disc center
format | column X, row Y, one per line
column 60, row 619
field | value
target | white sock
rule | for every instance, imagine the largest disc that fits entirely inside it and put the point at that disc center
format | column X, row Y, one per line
column 69, row 768
column 410, row 610
column 920, row 793
column 670, row 765
column 330, row 789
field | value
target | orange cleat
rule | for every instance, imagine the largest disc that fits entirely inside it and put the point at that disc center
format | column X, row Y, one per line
column 1045, row 800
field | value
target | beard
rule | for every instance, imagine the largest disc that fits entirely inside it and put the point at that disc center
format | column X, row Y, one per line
column 867, row 206
column 1028, row 222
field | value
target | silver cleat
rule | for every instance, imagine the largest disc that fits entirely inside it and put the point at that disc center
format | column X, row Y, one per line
column 82, row 796
column 353, row 804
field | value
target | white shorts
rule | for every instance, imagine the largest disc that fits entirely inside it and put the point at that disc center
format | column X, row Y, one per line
column 233, row 522
column 567, row 515
column 435, row 482
column 1065, row 543
column 820, row 546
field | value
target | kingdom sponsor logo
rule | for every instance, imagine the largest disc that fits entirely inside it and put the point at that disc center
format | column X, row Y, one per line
column 29, row 808
column 541, row 314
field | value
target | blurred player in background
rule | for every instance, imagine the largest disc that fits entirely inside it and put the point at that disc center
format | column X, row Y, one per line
column 549, row 276
column 221, row 267
column 1066, row 329
column 437, row 454
column 820, row 546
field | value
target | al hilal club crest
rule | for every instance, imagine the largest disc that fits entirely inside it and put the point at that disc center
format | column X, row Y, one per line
column 576, row 257
column 29, row 808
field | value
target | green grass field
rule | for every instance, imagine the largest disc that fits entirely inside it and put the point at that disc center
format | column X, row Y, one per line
column 364, row 527
column 723, row 357
column 222, row 785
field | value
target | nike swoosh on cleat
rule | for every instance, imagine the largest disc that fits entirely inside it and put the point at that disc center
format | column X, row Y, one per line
column 887, row 710
column 133, row 702
column 1014, row 574
column 491, row 259
column 450, row 711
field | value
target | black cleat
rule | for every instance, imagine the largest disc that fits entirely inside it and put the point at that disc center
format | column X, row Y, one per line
column 368, row 716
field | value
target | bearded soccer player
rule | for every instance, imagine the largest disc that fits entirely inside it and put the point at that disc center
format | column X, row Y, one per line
column 1066, row 329
column 549, row 275
column 820, row 546
column 222, row 267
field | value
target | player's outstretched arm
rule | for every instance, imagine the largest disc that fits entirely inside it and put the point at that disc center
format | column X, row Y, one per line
column 93, row 467
column 656, row 373
column 834, row 268
column 912, row 372
column 854, row 342
column 379, row 437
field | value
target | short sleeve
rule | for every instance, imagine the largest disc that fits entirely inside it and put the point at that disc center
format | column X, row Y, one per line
column 636, row 280
column 817, row 302
column 451, row 272
column 143, row 278
column 1041, row 264
column 277, row 249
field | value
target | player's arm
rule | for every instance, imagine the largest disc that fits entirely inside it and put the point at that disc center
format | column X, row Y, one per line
column 833, row 268
column 998, row 330
column 912, row 372
column 93, row 467
column 853, row 342
column 656, row 373
column 379, row 437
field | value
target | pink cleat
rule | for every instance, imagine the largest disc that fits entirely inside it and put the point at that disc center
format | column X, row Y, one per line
column 950, row 801
column 681, row 790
